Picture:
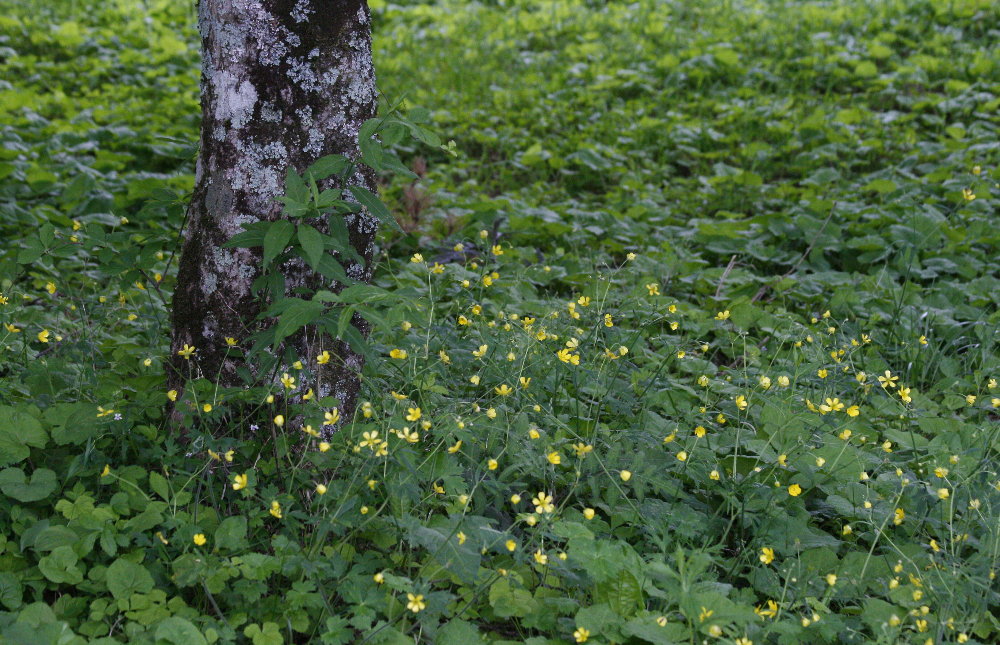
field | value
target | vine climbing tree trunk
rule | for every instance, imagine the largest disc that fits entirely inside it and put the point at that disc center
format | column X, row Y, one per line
column 283, row 83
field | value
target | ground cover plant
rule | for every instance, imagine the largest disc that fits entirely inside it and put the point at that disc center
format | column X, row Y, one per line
column 690, row 335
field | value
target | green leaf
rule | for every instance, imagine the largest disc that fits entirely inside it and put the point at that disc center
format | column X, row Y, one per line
column 18, row 431
column 125, row 578
column 508, row 601
column 14, row 483
column 252, row 237
column 328, row 166
column 158, row 483
column 60, row 566
column 369, row 200
column 232, row 533
column 269, row 635
column 295, row 189
column 11, row 590
column 178, row 631
column 458, row 632
column 296, row 316
column 331, row 269
column 278, row 235
column 311, row 241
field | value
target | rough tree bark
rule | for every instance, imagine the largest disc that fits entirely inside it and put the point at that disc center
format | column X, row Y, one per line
column 283, row 83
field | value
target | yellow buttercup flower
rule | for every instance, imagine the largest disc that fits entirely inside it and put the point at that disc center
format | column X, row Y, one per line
column 240, row 481
column 413, row 414
column 415, row 602
column 43, row 336
column 767, row 555
column 398, row 354
column 323, row 358
column 275, row 509
column 199, row 539
column 794, row 490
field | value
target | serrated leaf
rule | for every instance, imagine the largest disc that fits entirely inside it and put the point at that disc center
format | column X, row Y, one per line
column 370, row 201
column 311, row 242
column 278, row 235
column 158, row 483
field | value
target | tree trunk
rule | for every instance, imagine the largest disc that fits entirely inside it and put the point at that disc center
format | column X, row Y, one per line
column 283, row 83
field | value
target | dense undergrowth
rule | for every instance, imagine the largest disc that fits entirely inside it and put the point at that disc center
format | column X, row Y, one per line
column 694, row 339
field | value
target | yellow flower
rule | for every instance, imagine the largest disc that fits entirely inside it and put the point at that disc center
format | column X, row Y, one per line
column 581, row 634
column 479, row 353
column 703, row 380
column 968, row 195
column 207, row 408
column 898, row 516
column 722, row 315
column 822, row 373
column 199, row 539
column 705, row 614
column 583, row 301
column 794, row 490
column 455, row 448
column 172, row 395
column 888, row 380
column 279, row 420
column 186, row 351
column 970, row 399
column 542, row 502
column 588, row 513
column 845, row 434
column 275, row 509
column 331, row 417
column 853, row 411
column 417, row 258
column 943, row 493
column 770, row 612
column 106, row 471
column 11, row 328
column 50, row 287
column 491, row 413
column 783, row 381
column 461, row 537
column 741, row 402
column 474, row 379
column 240, row 481
column 767, row 555
column 323, row 358
column 101, row 412
column 492, row 464
column 568, row 357
column 582, row 449
column 714, row 475
column 608, row 321
column 398, row 354
column 415, row 602
column 831, row 405
column 43, row 336
column 653, row 289
column 503, row 390
column 230, row 341
column 413, row 414
column 554, row 458
column 541, row 558
column 831, row 579
column 904, row 394
column 288, row 381
column 682, row 455
column 625, row 475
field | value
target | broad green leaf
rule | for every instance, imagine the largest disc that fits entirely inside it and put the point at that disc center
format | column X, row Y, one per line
column 269, row 635
column 11, row 590
column 178, row 631
column 311, row 241
column 14, row 483
column 295, row 188
column 232, row 533
column 125, row 578
column 369, row 200
column 328, row 166
column 60, row 566
column 278, row 235
column 18, row 432
column 296, row 316
column 508, row 601
column 158, row 483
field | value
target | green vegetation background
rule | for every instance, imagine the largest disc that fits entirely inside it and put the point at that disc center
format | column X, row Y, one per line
column 776, row 422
